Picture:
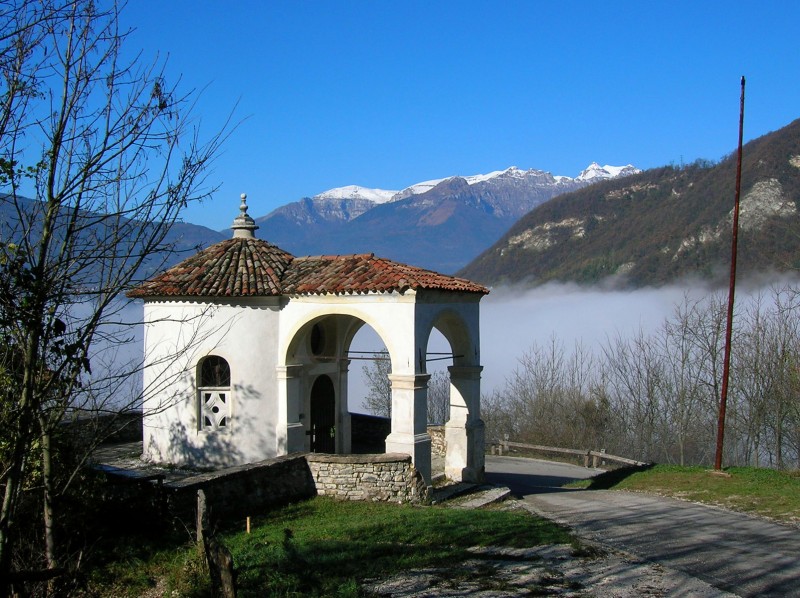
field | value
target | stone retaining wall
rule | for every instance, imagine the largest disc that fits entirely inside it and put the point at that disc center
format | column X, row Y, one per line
column 390, row 477
column 245, row 488
column 111, row 428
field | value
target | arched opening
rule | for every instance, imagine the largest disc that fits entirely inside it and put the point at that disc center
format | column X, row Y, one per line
column 370, row 391
column 322, row 419
column 433, row 337
column 439, row 358
column 463, row 427
column 324, row 357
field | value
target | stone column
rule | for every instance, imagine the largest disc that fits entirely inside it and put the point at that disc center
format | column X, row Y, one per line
column 344, row 439
column 464, row 431
column 290, row 429
column 410, row 420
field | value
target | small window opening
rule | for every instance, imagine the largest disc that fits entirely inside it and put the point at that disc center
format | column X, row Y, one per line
column 213, row 394
column 317, row 340
column 215, row 372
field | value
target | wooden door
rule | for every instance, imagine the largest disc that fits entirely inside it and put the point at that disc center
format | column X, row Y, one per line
column 323, row 416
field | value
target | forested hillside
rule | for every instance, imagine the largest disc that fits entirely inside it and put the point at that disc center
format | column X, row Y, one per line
column 660, row 225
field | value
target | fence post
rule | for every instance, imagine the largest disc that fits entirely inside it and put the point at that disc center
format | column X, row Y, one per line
column 202, row 516
column 218, row 557
column 505, row 444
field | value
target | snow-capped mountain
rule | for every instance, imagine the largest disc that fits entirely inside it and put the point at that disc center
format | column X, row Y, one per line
column 355, row 192
column 594, row 172
column 591, row 173
column 439, row 224
column 661, row 226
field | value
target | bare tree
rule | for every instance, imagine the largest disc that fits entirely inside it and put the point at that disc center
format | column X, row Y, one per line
column 766, row 391
column 550, row 398
column 654, row 396
column 375, row 375
column 108, row 157
column 379, row 388
column 439, row 397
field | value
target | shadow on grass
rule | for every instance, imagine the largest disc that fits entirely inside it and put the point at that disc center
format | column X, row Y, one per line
column 338, row 546
column 609, row 479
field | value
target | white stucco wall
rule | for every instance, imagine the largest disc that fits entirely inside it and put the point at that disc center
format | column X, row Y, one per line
column 266, row 344
column 180, row 333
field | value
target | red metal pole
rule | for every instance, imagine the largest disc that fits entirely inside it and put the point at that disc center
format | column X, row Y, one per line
column 723, row 400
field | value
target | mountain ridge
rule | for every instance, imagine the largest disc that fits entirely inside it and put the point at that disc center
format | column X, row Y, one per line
column 463, row 214
column 660, row 225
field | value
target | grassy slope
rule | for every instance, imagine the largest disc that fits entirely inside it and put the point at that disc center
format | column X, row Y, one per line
column 324, row 547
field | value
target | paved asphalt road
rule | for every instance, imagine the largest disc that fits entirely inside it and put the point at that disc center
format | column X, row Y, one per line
column 732, row 552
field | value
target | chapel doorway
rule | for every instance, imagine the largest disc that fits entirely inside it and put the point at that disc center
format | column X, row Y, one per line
column 323, row 416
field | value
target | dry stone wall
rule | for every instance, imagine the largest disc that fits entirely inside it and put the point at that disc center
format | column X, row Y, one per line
column 390, row 477
column 245, row 488
column 242, row 490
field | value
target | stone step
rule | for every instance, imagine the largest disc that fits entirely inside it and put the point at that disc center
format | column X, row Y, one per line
column 485, row 497
column 445, row 493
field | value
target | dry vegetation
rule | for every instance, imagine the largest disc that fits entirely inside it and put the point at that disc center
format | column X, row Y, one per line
column 654, row 397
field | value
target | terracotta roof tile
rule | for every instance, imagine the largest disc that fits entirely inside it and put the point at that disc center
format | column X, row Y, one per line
column 246, row 267
column 365, row 273
column 232, row 268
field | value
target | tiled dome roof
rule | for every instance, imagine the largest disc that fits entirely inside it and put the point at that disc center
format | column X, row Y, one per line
column 248, row 267
column 238, row 267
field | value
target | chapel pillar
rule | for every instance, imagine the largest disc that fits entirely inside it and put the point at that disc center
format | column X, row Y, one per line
column 464, row 431
column 343, row 425
column 290, row 430
column 410, row 420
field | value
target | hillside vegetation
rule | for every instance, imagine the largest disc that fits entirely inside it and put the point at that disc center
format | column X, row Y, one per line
column 660, row 225
column 654, row 396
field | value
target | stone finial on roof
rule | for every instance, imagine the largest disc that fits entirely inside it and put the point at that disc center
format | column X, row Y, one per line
column 243, row 225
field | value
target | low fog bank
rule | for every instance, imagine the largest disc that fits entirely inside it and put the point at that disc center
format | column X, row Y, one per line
column 513, row 319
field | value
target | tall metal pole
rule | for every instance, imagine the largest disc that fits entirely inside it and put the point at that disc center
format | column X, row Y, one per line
column 723, row 400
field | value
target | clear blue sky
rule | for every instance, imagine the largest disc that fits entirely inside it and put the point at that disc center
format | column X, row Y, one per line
column 387, row 94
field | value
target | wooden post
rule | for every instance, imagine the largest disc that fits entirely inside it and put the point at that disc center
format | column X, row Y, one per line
column 218, row 557
column 220, row 566
column 726, row 357
column 202, row 516
column 586, row 459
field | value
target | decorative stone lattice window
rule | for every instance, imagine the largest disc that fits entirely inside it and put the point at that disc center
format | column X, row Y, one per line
column 214, row 394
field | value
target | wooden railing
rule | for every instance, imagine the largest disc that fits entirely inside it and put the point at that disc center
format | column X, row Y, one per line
column 590, row 458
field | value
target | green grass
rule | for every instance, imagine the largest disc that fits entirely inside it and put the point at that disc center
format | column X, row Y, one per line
column 758, row 491
column 314, row 548
column 324, row 547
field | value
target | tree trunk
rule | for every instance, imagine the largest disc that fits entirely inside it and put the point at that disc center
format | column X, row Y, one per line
column 20, row 437
column 47, row 482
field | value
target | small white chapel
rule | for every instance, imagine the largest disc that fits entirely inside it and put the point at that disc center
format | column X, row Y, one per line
column 247, row 354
